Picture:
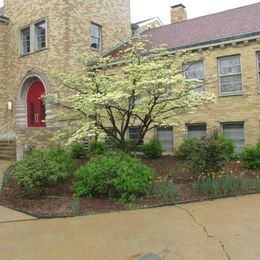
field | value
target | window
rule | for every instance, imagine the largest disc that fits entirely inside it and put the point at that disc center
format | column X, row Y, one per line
column 110, row 138
column 195, row 70
column 235, row 131
column 196, row 131
column 33, row 37
column 25, row 40
column 258, row 68
column 133, row 133
column 96, row 36
column 230, row 75
column 165, row 136
column 40, row 30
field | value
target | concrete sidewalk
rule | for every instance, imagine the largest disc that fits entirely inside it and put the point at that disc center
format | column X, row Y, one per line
column 222, row 229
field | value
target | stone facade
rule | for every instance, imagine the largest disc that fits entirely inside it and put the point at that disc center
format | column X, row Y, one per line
column 68, row 34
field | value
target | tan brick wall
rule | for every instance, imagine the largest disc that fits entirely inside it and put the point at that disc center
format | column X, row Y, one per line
column 244, row 108
column 4, row 114
column 68, row 35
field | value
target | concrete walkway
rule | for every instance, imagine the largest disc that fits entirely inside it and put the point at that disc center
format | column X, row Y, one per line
column 222, row 229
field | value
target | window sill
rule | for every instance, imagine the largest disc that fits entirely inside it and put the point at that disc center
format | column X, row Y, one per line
column 231, row 94
column 33, row 52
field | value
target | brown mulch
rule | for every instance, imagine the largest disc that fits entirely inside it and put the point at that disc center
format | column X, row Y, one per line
column 59, row 201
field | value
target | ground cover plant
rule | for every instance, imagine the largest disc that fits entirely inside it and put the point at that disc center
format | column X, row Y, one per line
column 111, row 182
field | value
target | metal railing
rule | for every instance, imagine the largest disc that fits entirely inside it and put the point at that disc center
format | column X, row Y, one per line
column 5, row 132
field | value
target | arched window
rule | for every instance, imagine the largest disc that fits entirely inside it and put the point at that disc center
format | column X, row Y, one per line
column 36, row 110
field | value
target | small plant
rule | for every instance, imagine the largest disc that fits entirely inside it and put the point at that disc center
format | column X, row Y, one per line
column 208, row 154
column 187, row 147
column 251, row 156
column 78, row 151
column 75, row 207
column 41, row 169
column 164, row 189
column 113, row 175
column 8, row 174
column 153, row 149
column 98, row 147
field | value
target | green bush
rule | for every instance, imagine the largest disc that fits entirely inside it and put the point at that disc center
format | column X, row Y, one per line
column 153, row 149
column 188, row 146
column 98, row 147
column 41, row 169
column 78, row 151
column 251, row 156
column 114, row 175
column 208, row 154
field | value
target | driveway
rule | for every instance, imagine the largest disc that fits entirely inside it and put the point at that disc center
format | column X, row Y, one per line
column 222, row 229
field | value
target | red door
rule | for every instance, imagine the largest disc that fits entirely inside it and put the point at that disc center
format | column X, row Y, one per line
column 35, row 106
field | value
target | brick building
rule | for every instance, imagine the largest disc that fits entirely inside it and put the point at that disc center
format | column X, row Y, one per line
column 38, row 35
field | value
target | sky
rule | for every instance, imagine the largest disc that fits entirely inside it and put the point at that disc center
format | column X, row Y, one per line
column 144, row 9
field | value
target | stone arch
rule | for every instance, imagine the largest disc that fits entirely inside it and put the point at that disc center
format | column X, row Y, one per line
column 21, row 101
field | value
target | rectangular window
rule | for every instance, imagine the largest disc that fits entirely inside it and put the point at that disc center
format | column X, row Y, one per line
column 230, row 75
column 196, row 131
column 258, row 68
column 235, row 131
column 110, row 138
column 25, row 40
column 195, row 70
column 165, row 136
column 40, row 32
column 133, row 133
column 95, row 36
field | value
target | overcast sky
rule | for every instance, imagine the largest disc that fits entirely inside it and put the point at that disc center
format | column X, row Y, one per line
column 143, row 9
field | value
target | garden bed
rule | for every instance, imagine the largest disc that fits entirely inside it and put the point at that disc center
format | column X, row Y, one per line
column 59, row 200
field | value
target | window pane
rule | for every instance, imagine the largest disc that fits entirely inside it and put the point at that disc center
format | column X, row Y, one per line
column 40, row 35
column 230, row 65
column 195, row 70
column 231, row 83
column 95, row 36
column 165, row 136
column 196, row 131
column 236, row 133
column 25, row 33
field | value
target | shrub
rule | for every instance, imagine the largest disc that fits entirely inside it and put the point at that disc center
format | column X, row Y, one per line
column 187, row 147
column 113, row 175
column 208, row 154
column 78, row 151
column 40, row 169
column 153, row 149
column 251, row 157
column 98, row 147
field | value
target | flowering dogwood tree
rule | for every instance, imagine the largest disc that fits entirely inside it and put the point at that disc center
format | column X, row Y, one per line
column 139, row 88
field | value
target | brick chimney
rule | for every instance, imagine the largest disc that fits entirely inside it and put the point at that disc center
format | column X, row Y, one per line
column 178, row 13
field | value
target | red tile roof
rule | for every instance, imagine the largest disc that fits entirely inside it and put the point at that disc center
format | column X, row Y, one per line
column 218, row 26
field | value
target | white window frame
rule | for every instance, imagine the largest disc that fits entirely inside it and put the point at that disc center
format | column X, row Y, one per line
column 231, row 93
column 233, row 123
column 195, row 124
column 202, row 79
column 258, row 70
column 100, row 37
column 21, row 40
column 33, row 37
column 172, row 141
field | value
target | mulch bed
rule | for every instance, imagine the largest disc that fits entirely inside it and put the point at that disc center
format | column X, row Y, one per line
column 59, row 201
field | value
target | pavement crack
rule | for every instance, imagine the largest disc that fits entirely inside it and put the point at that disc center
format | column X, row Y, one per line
column 206, row 231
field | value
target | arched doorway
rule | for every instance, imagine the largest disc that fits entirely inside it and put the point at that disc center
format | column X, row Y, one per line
column 36, row 110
